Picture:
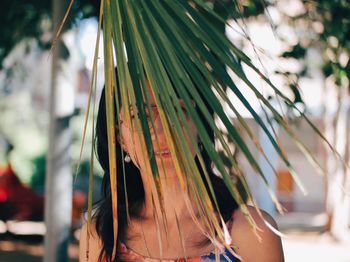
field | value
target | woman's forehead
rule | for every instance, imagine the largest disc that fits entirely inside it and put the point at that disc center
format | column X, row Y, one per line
column 150, row 94
column 149, row 97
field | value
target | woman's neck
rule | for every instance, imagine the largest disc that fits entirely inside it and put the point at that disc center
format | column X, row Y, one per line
column 174, row 200
column 181, row 221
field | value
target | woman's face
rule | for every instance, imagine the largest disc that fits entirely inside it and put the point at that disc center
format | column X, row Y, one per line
column 132, row 145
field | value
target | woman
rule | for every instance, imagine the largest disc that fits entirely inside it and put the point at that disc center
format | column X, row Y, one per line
column 143, row 239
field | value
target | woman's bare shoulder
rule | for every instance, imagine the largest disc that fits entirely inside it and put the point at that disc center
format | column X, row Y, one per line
column 266, row 246
column 90, row 245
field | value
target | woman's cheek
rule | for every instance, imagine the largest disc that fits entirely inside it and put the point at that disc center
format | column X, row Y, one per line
column 192, row 142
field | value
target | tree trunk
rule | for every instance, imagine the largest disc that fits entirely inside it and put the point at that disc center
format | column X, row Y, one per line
column 58, row 195
column 338, row 198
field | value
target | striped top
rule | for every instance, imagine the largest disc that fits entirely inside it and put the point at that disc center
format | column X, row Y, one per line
column 127, row 255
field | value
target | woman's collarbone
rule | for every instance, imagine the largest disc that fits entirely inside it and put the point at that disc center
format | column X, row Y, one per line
column 147, row 239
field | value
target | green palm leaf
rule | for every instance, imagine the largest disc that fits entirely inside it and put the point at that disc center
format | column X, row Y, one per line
column 173, row 47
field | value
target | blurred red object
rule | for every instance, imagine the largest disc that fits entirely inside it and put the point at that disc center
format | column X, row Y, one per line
column 79, row 200
column 17, row 201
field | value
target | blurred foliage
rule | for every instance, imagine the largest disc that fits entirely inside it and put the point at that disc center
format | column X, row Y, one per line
column 327, row 24
column 249, row 8
column 297, row 51
column 24, row 126
column 19, row 126
column 37, row 180
column 80, row 183
column 20, row 20
column 32, row 19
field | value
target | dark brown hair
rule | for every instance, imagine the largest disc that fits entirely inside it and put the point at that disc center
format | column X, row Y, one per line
column 135, row 190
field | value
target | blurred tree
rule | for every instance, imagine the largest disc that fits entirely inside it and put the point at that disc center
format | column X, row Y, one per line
column 32, row 19
column 40, row 20
column 322, row 27
column 58, row 180
column 325, row 26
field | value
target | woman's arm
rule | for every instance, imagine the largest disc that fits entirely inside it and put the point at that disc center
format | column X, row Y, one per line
column 89, row 251
column 247, row 244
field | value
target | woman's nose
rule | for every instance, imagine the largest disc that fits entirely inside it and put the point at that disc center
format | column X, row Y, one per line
column 158, row 127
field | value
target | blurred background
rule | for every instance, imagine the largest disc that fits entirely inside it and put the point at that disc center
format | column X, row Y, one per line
column 303, row 46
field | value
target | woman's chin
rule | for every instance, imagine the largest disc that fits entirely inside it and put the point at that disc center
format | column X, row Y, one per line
column 165, row 163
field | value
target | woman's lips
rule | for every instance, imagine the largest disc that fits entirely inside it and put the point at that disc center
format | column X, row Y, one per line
column 162, row 153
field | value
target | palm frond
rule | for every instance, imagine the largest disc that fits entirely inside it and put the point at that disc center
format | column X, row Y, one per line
column 172, row 48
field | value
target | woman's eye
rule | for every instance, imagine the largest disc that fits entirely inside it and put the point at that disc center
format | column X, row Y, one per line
column 183, row 109
column 148, row 113
column 132, row 114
